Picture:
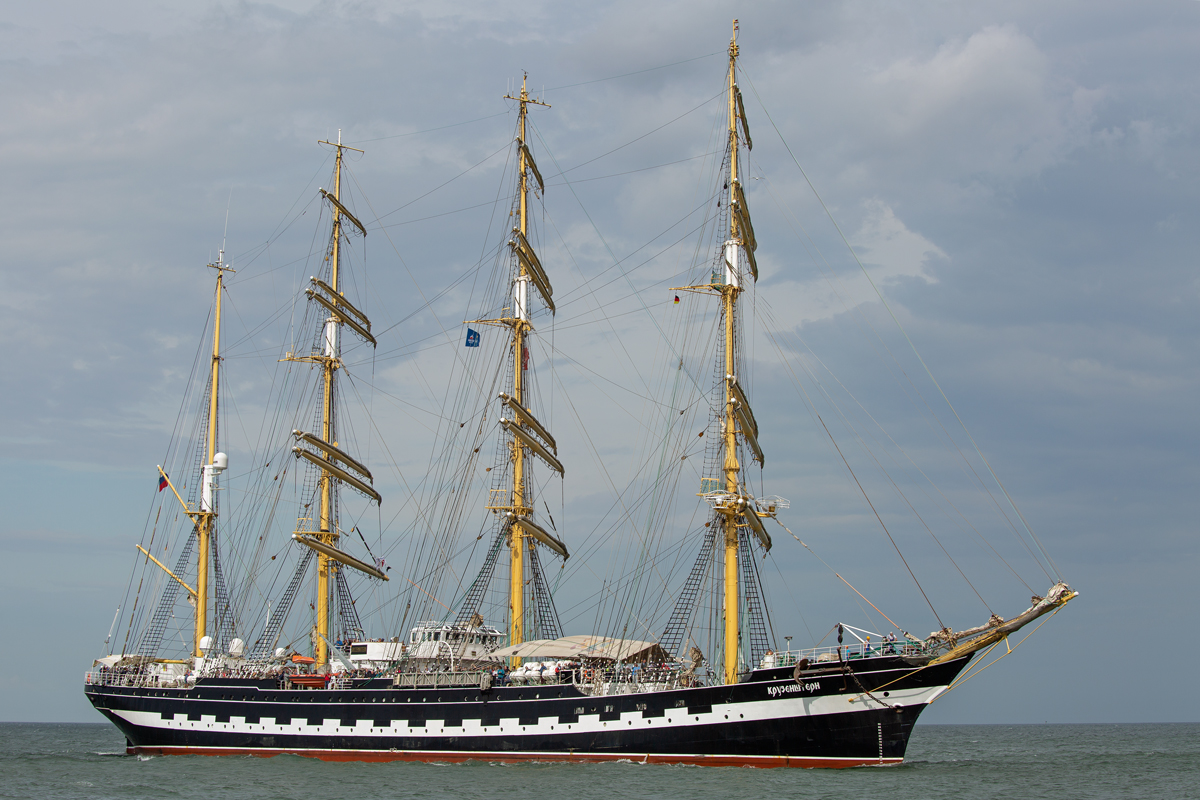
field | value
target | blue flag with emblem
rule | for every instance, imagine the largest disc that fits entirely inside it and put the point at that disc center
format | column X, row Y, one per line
column 472, row 338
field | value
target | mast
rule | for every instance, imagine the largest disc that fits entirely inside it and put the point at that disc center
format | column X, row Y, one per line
column 326, row 533
column 520, row 329
column 526, row 432
column 736, row 509
column 729, row 295
column 206, row 518
column 335, row 465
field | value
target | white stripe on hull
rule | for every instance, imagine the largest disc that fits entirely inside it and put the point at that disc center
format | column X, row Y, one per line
column 784, row 707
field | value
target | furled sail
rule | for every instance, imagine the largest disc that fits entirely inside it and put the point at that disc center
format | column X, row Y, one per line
column 542, row 535
column 528, row 420
column 745, row 417
column 530, row 260
column 345, row 212
column 341, row 300
column 756, row 525
column 333, row 452
column 340, row 556
column 342, row 311
column 529, row 162
column 745, row 229
column 339, row 473
column 533, row 444
column 741, row 109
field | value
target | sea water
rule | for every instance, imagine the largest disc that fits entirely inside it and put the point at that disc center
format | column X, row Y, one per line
column 1057, row 762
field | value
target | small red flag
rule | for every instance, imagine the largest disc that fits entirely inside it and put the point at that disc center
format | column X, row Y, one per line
column 162, row 482
column 676, row 299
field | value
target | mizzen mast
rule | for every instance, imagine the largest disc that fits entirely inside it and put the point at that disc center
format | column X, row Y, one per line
column 214, row 465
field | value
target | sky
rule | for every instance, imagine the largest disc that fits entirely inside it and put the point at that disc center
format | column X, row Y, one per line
column 1016, row 178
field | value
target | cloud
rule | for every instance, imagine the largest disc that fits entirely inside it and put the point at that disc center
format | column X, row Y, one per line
column 886, row 243
column 984, row 105
column 1019, row 184
column 828, row 283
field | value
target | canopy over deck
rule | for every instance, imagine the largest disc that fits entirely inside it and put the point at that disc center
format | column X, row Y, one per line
column 586, row 646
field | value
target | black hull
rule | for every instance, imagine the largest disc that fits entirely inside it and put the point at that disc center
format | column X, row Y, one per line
column 831, row 719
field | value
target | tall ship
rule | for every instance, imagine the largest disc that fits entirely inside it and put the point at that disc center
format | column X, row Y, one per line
column 245, row 631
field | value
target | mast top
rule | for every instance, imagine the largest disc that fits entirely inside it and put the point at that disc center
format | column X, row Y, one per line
column 219, row 265
column 525, row 99
column 733, row 46
column 338, row 144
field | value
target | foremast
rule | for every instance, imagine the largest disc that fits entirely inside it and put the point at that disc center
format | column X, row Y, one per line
column 334, row 465
column 736, row 511
column 528, row 434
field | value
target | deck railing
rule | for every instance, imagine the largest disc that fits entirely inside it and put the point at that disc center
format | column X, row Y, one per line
column 111, row 677
column 846, row 652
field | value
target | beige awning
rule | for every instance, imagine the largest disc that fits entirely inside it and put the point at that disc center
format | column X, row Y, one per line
column 585, row 646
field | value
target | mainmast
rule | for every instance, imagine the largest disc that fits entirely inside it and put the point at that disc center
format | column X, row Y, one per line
column 526, row 431
column 323, row 449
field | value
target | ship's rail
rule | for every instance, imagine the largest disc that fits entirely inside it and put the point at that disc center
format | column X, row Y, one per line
column 633, row 687
column 144, row 678
column 845, row 652
column 597, row 680
column 110, row 677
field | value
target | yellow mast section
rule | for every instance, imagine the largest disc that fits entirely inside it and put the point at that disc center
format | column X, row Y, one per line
column 327, row 532
column 207, row 515
column 729, row 301
column 732, row 501
column 520, row 328
column 729, row 294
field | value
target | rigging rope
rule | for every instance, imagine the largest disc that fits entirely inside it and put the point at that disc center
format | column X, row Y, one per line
column 863, row 491
column 895, row 319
